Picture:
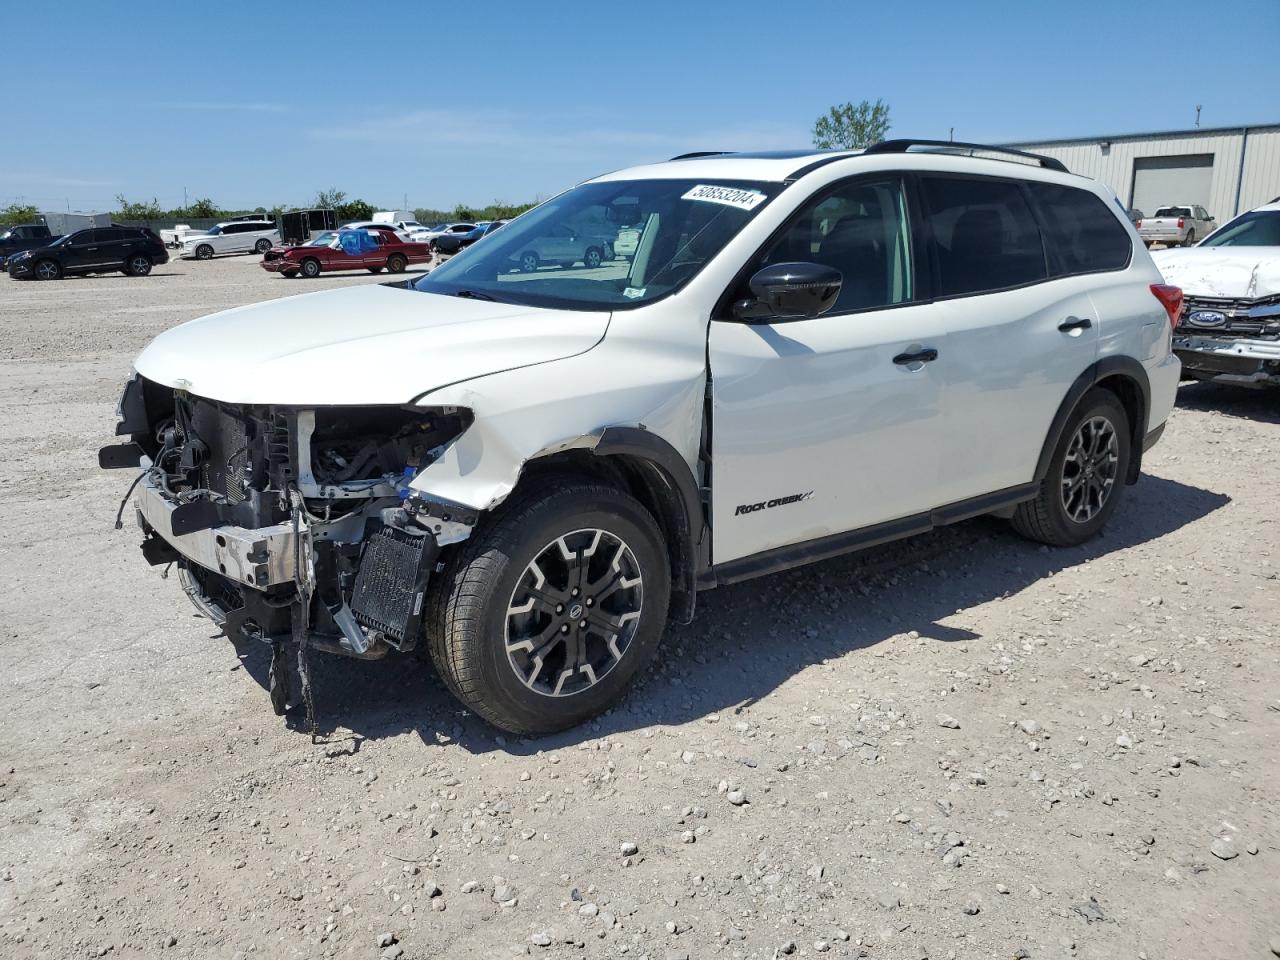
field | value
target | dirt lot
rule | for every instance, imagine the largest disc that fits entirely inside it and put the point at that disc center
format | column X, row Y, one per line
column 960, row 746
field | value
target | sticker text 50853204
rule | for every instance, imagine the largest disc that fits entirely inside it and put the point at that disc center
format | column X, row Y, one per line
column 730, row 196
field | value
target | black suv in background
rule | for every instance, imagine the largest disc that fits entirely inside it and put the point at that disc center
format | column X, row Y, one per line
column 131, row 250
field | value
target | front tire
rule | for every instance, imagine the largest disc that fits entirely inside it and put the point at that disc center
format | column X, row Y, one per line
column 593, row 258
column 204, row 252
column 47, row 270
column 529, row 262
column 1086, row 475
column 547, row 613
column 374, row 269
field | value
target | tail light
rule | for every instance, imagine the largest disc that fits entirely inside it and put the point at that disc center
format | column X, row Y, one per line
column 1181, row 223
column 1170, row 298
column 1138, row 225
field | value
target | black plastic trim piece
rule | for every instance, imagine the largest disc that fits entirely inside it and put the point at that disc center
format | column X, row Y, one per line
column 1106, row 367
column 701, row 153
column 643, row 445
column 1152, row 438
column 193, row 517
column 132, row 409
column 824, row 548
column 119, row 456
column 904, row 146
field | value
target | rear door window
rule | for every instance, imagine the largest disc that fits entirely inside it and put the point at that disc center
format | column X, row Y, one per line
column 1082, row 234
column 984, row 235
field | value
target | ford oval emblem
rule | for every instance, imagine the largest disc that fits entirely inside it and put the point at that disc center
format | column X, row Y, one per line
column 1207, row 318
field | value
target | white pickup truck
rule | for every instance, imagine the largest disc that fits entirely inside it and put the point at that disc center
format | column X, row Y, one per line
column 1176, row 226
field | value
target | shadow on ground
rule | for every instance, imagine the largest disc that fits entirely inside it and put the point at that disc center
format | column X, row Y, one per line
column 749, row 638
column 1250, row 403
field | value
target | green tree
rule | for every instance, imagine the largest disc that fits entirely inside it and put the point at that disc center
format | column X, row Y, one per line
column 330, row 199
column 18, row 213
column 354, row 210
column 851, row 126
column 204, row 207
column 141, row 210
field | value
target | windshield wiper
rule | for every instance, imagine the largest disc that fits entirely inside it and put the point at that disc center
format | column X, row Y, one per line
column 475, row 295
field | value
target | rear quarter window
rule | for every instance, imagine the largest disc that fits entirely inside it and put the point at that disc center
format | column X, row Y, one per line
column 985, row 236
column 1081, row 233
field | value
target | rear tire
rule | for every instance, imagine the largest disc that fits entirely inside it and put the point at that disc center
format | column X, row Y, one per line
column 1086, row 475
column 1191, row 239
column 529, row 261
column 396, row 263
column 593, row 258
column 310, row 268
column 483, row 644
column 262, row 246
column 138, row 266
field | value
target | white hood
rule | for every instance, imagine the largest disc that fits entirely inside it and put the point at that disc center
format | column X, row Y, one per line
column 359, row 345
column 1243, row 272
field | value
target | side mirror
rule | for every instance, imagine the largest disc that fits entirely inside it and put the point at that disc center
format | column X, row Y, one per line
column 790, row 291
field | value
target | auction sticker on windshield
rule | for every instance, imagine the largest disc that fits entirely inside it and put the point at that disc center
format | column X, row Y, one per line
column 730, row 196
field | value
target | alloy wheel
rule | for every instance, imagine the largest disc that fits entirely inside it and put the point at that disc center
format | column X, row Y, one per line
column 140, row 266
column 47, row 270
column 1089, row 469
column 574, row 612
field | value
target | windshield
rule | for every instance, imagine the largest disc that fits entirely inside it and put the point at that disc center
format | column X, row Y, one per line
column 213, row 231
column 1173, row 212
column 562, row 254
column 1258, row 229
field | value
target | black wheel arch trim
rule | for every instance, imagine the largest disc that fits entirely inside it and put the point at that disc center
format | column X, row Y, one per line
column 1126, row 367
column 671, row 469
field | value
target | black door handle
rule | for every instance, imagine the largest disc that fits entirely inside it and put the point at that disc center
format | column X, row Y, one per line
column 1075, row 323
column 920, row 356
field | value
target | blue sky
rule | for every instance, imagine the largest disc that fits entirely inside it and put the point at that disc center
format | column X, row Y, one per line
column 254, row 103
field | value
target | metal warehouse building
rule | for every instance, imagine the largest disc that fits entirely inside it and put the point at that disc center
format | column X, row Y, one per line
column 1226, row 169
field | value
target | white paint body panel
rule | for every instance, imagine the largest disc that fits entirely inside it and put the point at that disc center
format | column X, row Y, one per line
column 813, row 405
column 227, row 242
column 1244, row 272
column 359, row 345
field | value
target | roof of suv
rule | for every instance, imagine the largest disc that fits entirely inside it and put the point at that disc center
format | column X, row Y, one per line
column 784, row 165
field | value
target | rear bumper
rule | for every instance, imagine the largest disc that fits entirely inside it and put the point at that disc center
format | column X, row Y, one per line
column 279, row 266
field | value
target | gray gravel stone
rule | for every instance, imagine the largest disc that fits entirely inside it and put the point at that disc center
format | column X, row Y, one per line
column 1224, row 849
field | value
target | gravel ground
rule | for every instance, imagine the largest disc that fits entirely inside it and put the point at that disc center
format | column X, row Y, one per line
column 963, row 745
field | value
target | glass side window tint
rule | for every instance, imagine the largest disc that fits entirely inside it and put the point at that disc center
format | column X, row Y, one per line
column 860, row 229
column 1082, row 235
column 984, row 235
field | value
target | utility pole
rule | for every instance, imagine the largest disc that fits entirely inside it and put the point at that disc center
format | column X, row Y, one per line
column 1197, row 116
column 952, row 134
column 184, row 198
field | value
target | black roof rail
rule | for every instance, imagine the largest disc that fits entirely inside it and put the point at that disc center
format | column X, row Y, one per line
column 702, row 153
column 903, row 146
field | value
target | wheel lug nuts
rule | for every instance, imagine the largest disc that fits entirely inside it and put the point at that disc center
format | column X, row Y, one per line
column 582, row 623
column 559, row 608
column 590, row 601
column 575, row 591
column 565, row 628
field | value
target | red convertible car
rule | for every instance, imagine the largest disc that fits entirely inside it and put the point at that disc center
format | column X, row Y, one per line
column 372, row 250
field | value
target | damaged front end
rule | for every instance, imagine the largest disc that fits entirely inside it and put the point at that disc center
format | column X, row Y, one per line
column 1230, row 339
column 292, row 525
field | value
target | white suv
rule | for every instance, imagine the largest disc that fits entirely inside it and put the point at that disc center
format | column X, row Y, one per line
column 527, row 473
column 234, row 236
